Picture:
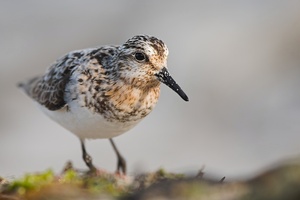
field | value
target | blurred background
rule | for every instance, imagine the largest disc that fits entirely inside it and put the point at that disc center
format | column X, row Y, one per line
column 238, row 61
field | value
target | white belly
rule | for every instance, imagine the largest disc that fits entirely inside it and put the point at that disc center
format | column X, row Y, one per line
column 85, row 124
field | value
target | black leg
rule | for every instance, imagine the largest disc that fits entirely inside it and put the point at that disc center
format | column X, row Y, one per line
column 86, row 157
column 121, row 164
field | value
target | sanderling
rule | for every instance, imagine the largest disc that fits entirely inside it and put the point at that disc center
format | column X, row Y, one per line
column 105, row 91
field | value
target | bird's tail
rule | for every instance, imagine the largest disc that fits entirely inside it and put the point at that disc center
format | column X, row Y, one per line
column 27, row 86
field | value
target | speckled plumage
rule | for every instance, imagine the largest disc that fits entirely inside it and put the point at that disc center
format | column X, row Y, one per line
column 103, row 92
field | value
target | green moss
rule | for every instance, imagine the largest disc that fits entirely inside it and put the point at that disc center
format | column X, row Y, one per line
column 162, row 174
column 84, row 185
column 71, row 177
column 31, row 182
column 106, row 184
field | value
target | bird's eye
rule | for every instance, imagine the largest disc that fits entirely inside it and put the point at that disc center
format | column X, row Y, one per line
column 140, row 56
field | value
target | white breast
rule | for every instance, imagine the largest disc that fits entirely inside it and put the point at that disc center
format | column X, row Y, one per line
column 85, row 124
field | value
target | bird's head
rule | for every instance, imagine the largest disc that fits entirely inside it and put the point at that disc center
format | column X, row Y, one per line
column 142, row 61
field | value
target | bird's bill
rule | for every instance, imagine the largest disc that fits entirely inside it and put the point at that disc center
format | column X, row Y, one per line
column 164, row 77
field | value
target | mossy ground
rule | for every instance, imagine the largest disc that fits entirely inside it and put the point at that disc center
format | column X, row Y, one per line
column 72, row 184
column 278, row 183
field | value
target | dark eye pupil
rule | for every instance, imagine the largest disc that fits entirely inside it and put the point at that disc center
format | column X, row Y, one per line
column 139, row 56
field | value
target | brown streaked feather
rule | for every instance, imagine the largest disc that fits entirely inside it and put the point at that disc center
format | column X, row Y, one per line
column 49, row 89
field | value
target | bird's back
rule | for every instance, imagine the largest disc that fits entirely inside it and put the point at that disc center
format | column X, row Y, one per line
column 49, row 90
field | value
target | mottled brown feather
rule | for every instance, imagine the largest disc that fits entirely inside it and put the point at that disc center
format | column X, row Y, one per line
column 48, row 90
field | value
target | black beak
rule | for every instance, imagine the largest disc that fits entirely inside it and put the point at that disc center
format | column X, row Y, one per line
column 164, row 77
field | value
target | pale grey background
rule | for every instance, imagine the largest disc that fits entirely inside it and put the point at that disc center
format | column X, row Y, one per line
column 238, row 61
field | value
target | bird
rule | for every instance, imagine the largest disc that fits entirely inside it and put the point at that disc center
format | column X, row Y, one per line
column 104, row 91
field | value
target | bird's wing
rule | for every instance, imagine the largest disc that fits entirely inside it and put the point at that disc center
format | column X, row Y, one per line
column 49, row 90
